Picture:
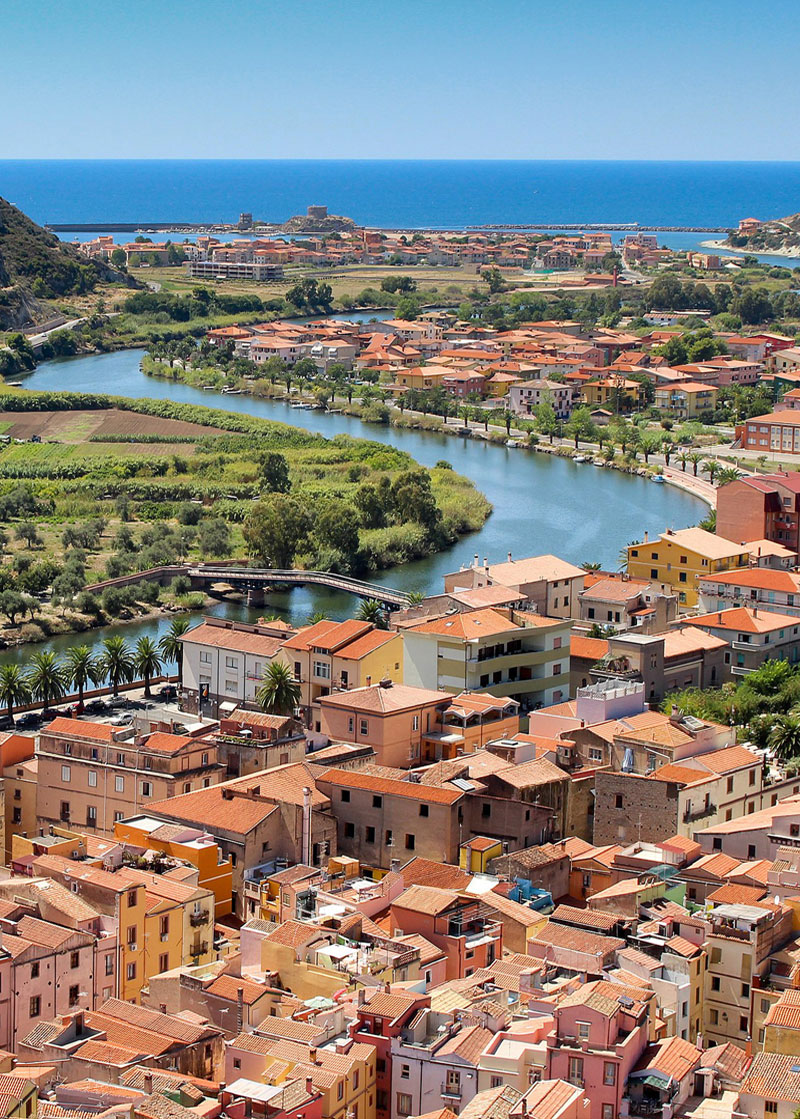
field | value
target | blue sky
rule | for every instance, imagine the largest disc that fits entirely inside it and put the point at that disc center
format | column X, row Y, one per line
column 536, row 79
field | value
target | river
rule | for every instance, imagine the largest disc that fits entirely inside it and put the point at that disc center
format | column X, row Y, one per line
column 541, row 503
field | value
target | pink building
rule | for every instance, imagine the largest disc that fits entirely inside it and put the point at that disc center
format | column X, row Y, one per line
column 599, row 1037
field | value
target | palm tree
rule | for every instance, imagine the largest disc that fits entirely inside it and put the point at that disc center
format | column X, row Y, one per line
column 507, row 418
column 416, row 597
column 317, row 616
column 683, row 458
column 710, row 467
column 784, row 738
column 14, row 688
column 370, row 610
column 147, row 661
column 728, row 474
column 590, row 565
column 279, row 692
column 116, row 662
column 46, row 678
column 171, row 647
column 81, row 668
column 695, row 459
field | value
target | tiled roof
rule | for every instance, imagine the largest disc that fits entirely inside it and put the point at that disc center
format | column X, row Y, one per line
column 104, row 1053
column 228, row 987
column 386, row 1004
column 511, row 910
column 682, row 946
column 79, row 728
column 472, row 624
column 576, row 940
column 48, row 935
column 689, row 639
column 294, row 934
column 236, row 640
column 771, row 1076
column 785, row 1013
column 169, row 1025
column 532, row 570
column 674, row 1058
column 733, row 894
column 162, row 743
column 588, row 648
column 745, row 620
column 467, row 1044
column 426, row 899
column 595, row 919
column 379, row 700
column 425, row 872
column 527, row 775
column 412, row 790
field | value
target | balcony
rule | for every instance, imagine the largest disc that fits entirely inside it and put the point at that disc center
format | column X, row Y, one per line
column 198, row 918
column 699, row 813
column 451, row 1091
column 199, row 948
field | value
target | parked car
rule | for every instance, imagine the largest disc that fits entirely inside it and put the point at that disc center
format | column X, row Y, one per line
column 169, row 691
column 117, row 701
column 29, row 719
column 96, row 706
column 122, row 720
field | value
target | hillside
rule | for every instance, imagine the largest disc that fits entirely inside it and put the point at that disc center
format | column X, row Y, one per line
column 779, row 236
column 35, row 267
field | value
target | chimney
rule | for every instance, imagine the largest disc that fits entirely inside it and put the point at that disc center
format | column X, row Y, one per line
column 362, row 994
column 524, row 1105
column 148, row 1083
column 645, row 538
column 509, row 557
column 369, row 681
column 475, row 560
column 239, row 1009
column 227, row 794
column 309, row 1086
column 312, row 1054
column 485, row 564
column 387, row 987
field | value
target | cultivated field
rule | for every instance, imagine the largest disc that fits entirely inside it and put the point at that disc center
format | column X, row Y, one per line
column 79, row 426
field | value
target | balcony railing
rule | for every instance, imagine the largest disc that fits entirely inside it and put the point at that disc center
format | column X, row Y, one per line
column 199, row 948
column 451, row 1091
column 699, row 813
column 198, row 918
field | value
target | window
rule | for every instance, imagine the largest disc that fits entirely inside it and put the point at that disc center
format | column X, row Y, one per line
column 388, row 838
column 486, row 810
column 231, row 662
column 163, row 961
column 205, row 657
column 743, row 1023
column 751, row 777
column 346, row 796
column 204, row 759
column 377, row 802
column 618, row 800
column 576, row 1071
column 109, row 963
column 65, row 811
column 147, row 788
column 17, row 815
column 770, row 1107
column 67, row 747
column 729, row 785
column 34, row 1007
column 415, row 722
column 349, row 830
column 133, row 897
column 131, row 935
column 119, row 784
column 608, row 1111
column 363, row 726
column 92, row 778
column 74, row 959
column 66, row 773
column 609, row 1072
column 745, row 990
column 496, row 1082
column 164, row 926
column 118, row 816
column 91, row 816
column 73, row 994
column 714, row 1017
column 130, row 972
column 120, row 759
column 583, row 1029
column 714, row 982
column 424, row 810
column 405, row 1072
column 403, row 1103
column 322, row 670
column 595, row 755
column 411, row 842
column 369, row 835
column 340, row 1090
column 35, row 970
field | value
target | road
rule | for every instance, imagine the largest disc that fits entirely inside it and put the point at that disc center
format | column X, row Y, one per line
column 37, row 339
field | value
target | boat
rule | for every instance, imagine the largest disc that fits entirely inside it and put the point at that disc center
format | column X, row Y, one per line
column 463, row 431
column 14, row 384
column 580, row 458
column 232, row 392
column 513, row 443
column 659, row 478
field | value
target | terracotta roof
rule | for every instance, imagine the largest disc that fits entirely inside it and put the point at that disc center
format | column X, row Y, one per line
column 674, row 1058
column 745, row 620
column 548, row 1098
column 681, row 946
column 473, row 624
column 588, row 648
column 785, row 1013
column 79, row 728
column 163, row 743
column 732, row 894
column 728, row 759
column 530, row 774
column 412, row 790
column 425, row 872
column 274, row 1027
column 533, row 569
column 237, row 640
column 772, row 1077
column 468, row 1044
column 379, row 700
column 294, row 934
column 228, row 987
column 576, row 940
column 426, row 899
column 762, row 578
column 596, row 919
column 168, row 1025
column 385, row 1004
column 365, row 645
column 689, row 639
column 106, row 1054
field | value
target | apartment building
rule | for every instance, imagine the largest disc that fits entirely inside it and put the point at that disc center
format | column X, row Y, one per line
column 685, row 400
column 91, row 775
column 525, row 398
column 760, row 834
column 124, row 902
column 754, row 636
column 380, row 819
column 380, row 1019
column 400, row 722
column 681, row 558
column 755, row 587
column 469, row 933
column 761, row 507
column 739, row 945
column 548, row 584
column 518, row 655
column 774, row 433
column 330, row 657
column 224, row 663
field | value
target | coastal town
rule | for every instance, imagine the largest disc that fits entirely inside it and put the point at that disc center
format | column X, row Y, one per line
column 399, row 561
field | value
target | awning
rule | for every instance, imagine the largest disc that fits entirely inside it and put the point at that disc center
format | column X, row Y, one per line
column 227, row 708
column 627, row 761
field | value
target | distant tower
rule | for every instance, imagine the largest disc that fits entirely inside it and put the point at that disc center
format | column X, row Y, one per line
column 245, row 221
column 317, row 212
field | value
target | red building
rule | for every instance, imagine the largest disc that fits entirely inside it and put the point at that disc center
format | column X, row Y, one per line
column 384, row 1017
column 764, row 507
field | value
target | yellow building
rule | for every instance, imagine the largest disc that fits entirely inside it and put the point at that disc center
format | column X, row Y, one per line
column 20, row 1097
column 606, row 392
column 179, row 924
column 682, row 557
column 20, row 782
column 422, row 376
column 782, row 1024
column 475, row 855
column 189, row 844
column 686, row 400
column 338, row 656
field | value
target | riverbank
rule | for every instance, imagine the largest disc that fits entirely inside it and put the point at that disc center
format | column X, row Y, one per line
column 376, row 413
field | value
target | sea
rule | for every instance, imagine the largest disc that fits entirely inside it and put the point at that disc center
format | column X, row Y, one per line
column 400, row 194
